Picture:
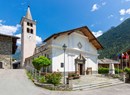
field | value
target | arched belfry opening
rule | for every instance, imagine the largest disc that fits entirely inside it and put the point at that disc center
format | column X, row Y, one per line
column 80, row 65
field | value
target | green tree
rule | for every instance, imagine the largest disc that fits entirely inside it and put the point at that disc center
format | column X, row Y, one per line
column 40, row 62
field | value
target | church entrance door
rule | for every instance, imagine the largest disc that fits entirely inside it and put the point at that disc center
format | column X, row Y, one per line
column 80, row 65
column 80, row 69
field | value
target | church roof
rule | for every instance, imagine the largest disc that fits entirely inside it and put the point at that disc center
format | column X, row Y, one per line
column 85, row 31
column 28, row 14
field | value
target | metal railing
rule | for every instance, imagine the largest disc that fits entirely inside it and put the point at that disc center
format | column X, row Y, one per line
column 35, row 74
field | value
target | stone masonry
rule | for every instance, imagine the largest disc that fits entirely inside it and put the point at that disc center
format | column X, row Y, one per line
column 5, row 51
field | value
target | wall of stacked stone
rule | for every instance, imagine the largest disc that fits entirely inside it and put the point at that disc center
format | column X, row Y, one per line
column 5, row 51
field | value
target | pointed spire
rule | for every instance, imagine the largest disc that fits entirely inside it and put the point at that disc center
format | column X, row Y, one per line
column 28, row 14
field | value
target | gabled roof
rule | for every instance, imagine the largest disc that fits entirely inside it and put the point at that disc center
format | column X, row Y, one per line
column 85, row 30
column 107, row 61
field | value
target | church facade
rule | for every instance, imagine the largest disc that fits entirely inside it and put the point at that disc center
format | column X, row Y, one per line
column 80, row 55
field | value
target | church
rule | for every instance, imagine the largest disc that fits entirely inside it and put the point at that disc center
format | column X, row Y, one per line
column 73, row 50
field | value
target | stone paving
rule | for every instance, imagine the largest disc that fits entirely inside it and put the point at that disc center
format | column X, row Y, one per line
column 91, row 79
column 15, row 82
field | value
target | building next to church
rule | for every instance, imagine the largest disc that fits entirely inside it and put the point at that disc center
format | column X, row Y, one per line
column 80, row 55
column 7, row 48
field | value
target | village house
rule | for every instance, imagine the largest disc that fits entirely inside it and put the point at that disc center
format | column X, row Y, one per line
column 7, row 48
column 75, row 49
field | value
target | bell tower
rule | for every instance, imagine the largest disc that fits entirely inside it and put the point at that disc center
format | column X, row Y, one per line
column 28, row 36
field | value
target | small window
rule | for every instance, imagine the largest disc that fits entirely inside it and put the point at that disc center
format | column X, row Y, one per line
column 27, row 30
column 62, row 65
column 28, row 23
column 31, row 31
column 31, row 24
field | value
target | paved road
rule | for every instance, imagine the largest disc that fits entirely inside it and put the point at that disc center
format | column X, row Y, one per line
column 15, row 82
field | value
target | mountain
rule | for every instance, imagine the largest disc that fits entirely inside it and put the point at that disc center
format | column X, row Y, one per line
column 17, row 54
column 116, row 40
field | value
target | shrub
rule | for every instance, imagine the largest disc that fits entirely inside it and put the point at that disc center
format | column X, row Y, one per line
column 42, row 79
column 103, row 70
column 53, row 78
column 127, row 70
column 117, row 70
column 40, row 62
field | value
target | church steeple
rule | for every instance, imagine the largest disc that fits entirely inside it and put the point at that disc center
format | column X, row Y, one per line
column 28, row 36
column 28, row 14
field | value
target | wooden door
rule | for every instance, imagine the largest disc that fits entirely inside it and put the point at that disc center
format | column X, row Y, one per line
column 1, row 65
column 80, row 69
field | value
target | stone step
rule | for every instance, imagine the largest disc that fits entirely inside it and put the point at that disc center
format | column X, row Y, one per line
column 115, row 80
column 96, row 85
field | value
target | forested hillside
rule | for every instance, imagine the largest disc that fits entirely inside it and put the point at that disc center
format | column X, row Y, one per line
column 116, row 40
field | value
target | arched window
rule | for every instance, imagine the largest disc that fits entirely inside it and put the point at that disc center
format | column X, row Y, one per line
column 31, row 24
column 28, row 23
column 31, row 31
column 27, row 30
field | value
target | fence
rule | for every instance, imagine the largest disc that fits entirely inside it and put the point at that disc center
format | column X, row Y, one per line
column 35, row 74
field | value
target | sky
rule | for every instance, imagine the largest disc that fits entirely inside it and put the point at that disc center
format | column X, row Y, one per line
column 55, row 16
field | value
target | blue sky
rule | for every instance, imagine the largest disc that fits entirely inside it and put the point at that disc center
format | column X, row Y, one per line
column 60, row 15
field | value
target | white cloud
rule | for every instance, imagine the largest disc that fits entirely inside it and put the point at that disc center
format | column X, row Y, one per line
column 128, row 11
column 95, row 7
column 122, row 18
column 12, row 30
column 124, row 12
column 38, row 39
column 19, row 40
column 8, row 29
column 97, row 34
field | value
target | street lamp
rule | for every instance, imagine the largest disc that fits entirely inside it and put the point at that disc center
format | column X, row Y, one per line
column 64, row 48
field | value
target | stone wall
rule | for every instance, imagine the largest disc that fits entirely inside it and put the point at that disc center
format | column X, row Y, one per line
column 5, row 51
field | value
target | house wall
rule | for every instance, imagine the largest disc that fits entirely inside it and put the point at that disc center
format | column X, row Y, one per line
column 5, row 51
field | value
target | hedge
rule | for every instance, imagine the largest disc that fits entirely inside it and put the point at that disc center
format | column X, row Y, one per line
column 103, row 70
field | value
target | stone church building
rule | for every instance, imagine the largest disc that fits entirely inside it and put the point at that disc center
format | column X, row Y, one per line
column 80, row 55
column 7, row 48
